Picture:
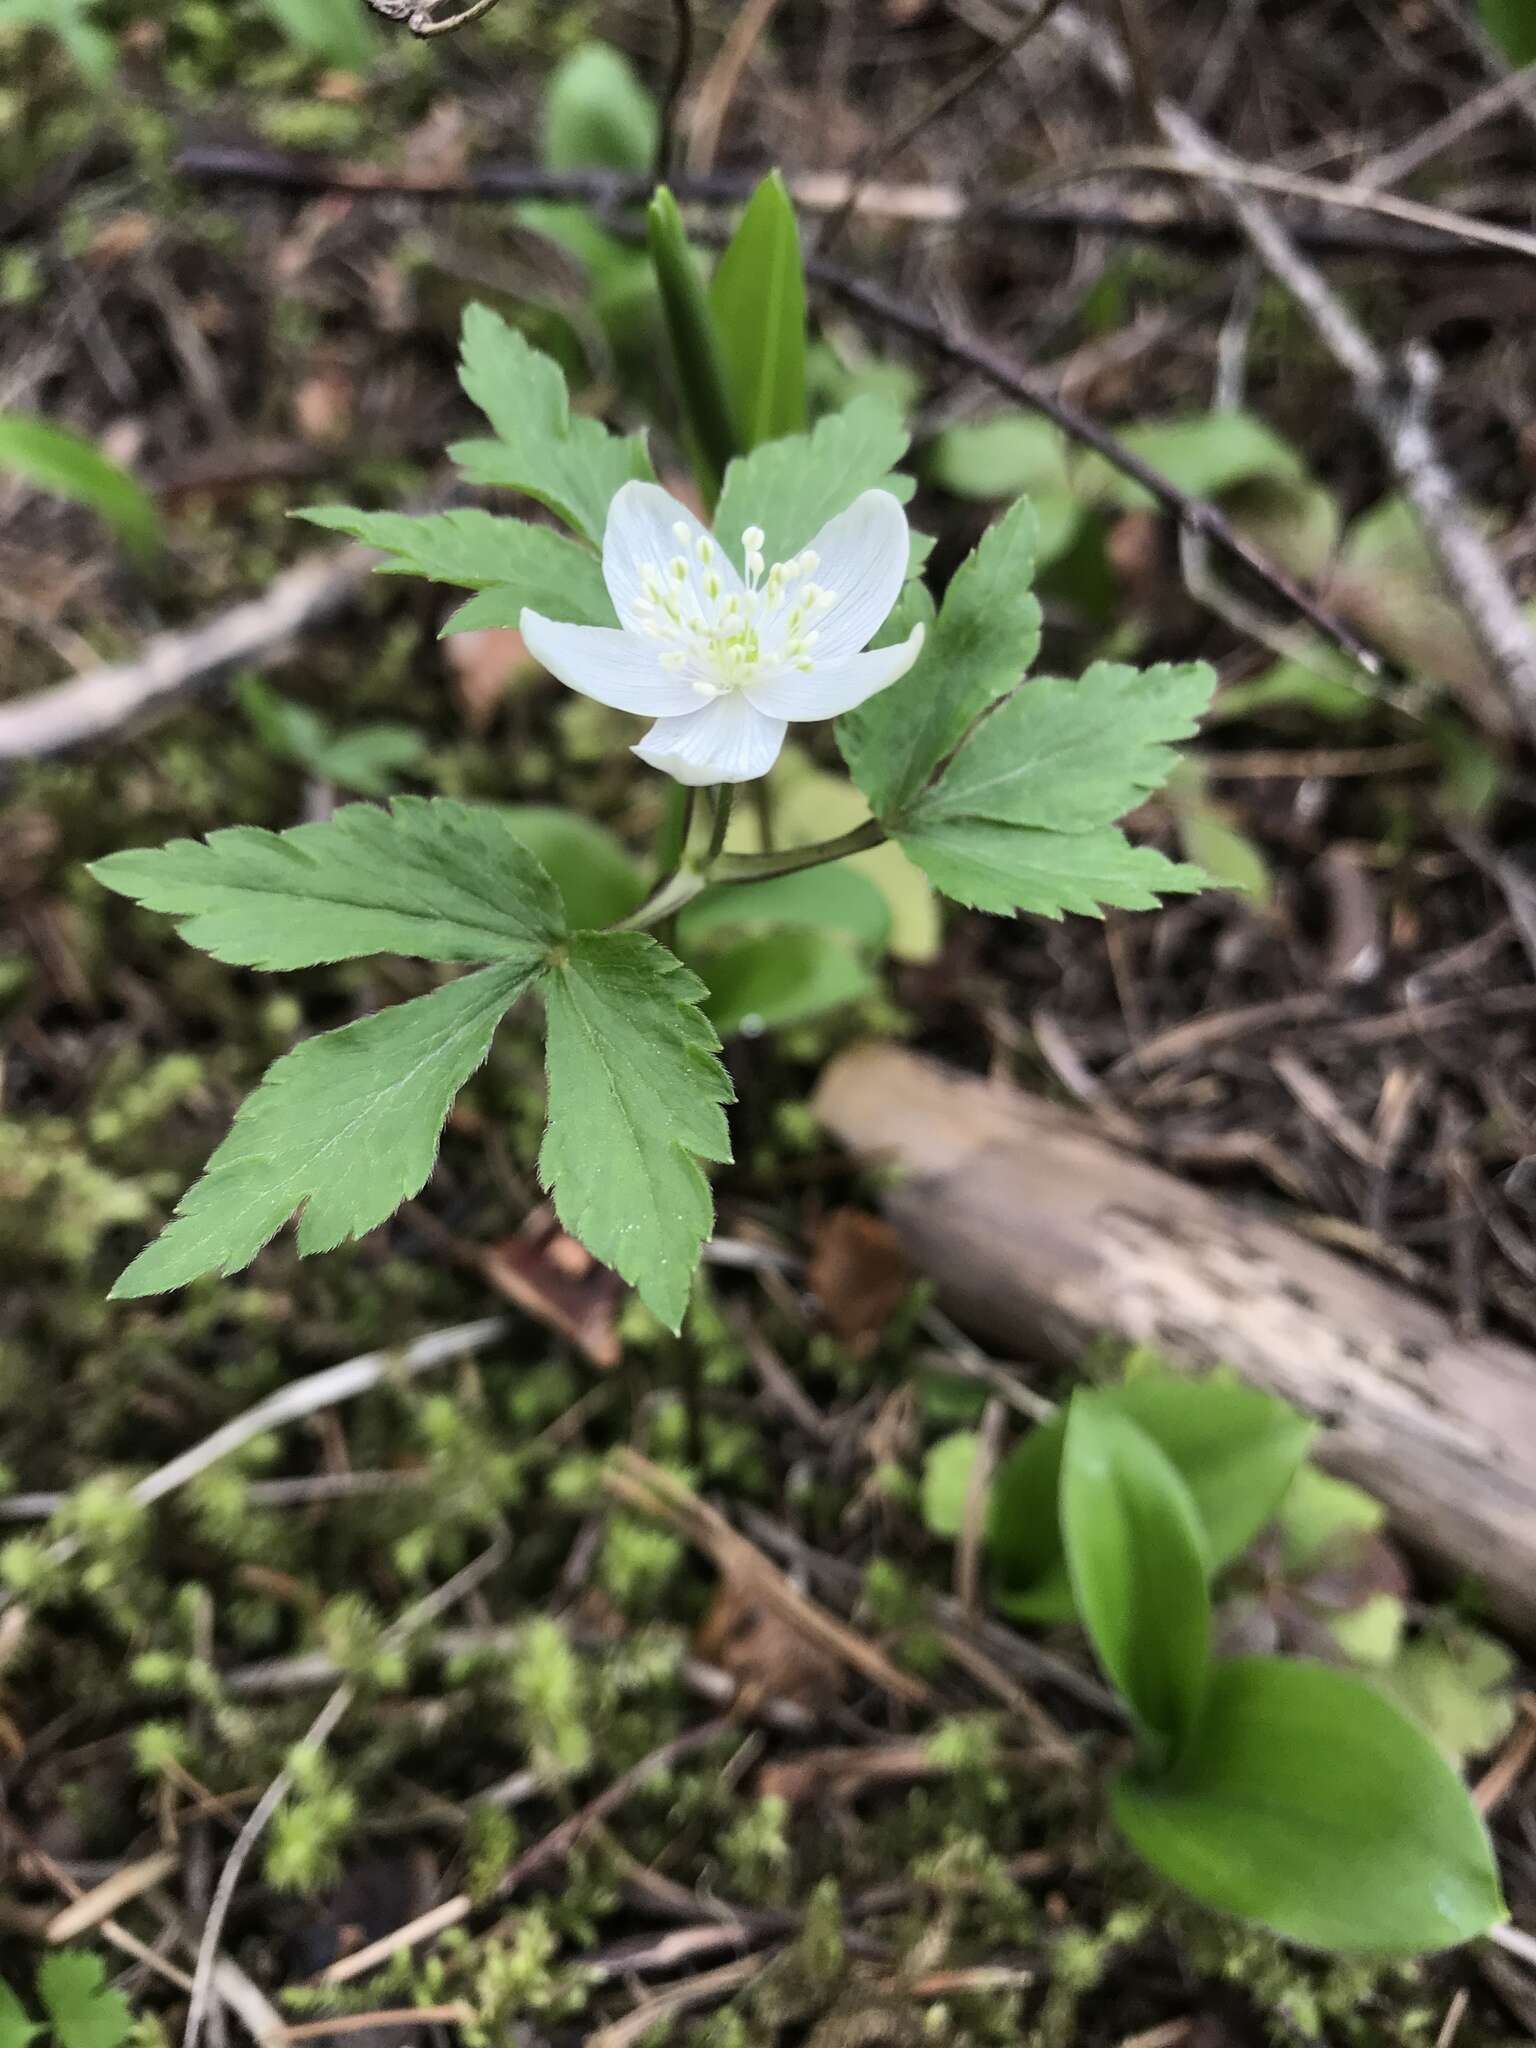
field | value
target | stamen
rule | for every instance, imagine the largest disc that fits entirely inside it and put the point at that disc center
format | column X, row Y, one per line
column 682, row 531
column 752, row 540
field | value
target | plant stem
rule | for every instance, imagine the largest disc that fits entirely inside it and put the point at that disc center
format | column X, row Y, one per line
column 725, row 803
column 789, row 860
column 672, row 838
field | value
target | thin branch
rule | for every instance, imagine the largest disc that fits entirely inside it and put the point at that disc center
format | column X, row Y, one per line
column 1195, row 515
column 888, row 148
column 1395, row 404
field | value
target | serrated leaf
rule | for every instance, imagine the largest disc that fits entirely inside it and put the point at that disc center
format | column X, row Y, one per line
column 985, row 637
column 1139, row 1565
column 429, row 877
column 343, row 1128
column 635, row 1094
column 757, row 296
column 17, row 2029
column 569, row 464
column 517, row 563
column 597, row 114
column 55, row 459
column 1309, row 1804
column 1072, row 756
column 1007, row 868
column 85, row 2014
column 791, row 487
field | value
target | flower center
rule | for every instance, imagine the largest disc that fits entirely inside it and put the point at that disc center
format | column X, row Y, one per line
column 722, row 641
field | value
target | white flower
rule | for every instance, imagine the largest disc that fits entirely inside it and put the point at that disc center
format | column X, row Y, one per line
column 724, row 664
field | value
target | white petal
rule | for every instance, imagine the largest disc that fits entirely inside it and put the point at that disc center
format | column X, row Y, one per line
column 641, row 534
column 833, row 687
column 616, row 668
column 862, row 558
column 728, row 741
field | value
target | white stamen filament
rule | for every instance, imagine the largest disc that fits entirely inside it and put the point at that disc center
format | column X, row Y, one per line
column 721, row 642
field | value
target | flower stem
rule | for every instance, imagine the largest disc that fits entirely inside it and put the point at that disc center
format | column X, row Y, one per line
column 725, row 803
column 672, row 838
column 680, row 889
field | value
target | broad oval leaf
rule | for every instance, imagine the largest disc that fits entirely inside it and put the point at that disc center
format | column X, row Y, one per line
column 597, row 114
column 54, row 459
column 834, row 899
column 947, row 1470
column 767, row 980
column 598, row 881
column 1310, row 1804
column 1137, row 1558
column 758, row 299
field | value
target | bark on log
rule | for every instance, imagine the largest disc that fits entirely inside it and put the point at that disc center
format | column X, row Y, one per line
column 1039, row 1232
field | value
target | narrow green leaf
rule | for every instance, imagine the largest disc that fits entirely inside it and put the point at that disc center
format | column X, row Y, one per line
column 73, row 1988
column 344, row 1128
column 791, row 487
column 569, row 464
column 1071, row 757
column 1007, row 868
column 598, row 881
column 768, row 980
column 597, row 114
column 515, row 563
column 1309, row 1804
column 758, row 299
column 1139, row 1567
column 58, row 460
column 429, row 877
column 338, row 31
column 985, row 637
column 635, row 1095
column 1239, row 1451
column 713, row 432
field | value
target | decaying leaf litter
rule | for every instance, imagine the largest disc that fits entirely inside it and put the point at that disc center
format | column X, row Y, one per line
column 1355, row 1044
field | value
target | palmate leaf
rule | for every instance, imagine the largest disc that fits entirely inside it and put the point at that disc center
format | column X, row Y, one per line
column 635, row 1095
column 985, row 637
column 791, row 487
column 1072, row 756
column 85, row 2014
column 429, row 877
column 344, row 1128
column 570, row 464
column 509, row 560
column 1008, row 868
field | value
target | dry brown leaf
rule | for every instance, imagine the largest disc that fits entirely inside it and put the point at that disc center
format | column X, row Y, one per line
column 483, row 667
column 765, row 1653
column 859, row 1274
column 555, row 1279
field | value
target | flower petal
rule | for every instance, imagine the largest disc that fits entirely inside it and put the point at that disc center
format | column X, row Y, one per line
column 616, row 668
column 728, row 741
column 642, row 534
column 832, row 687
column 862, row 558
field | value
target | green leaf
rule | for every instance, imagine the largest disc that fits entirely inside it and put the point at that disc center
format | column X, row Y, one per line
column 1010, row 455
column 597, row 880
column 834, row 899
column 514, row 563
column 597, row 114
column 811, row 803
column 1007, row 868
column 758, row 299
column 64, row 463
column 338, row 31
column 429, row 877
column 1455, row 1682
column 635, row 1095
column 569, row 464
column 1139, row 1566
column 1226, row 856
column 986, row 635
column 1320, row 1514
column 791, row 487
column 92, row 49
column 1512, row 25
column 947, row 1472
column 1069, row 757
column 1309, row 1804
column 1240, row 1452
column 73, row 1988
column 1205, row 454
column 768, row 980
column 344, row 1128
column 367, row 759
column 16, row 2028
column 714, row 435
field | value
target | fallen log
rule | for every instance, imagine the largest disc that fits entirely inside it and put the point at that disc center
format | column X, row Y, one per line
column 1039, row 1232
